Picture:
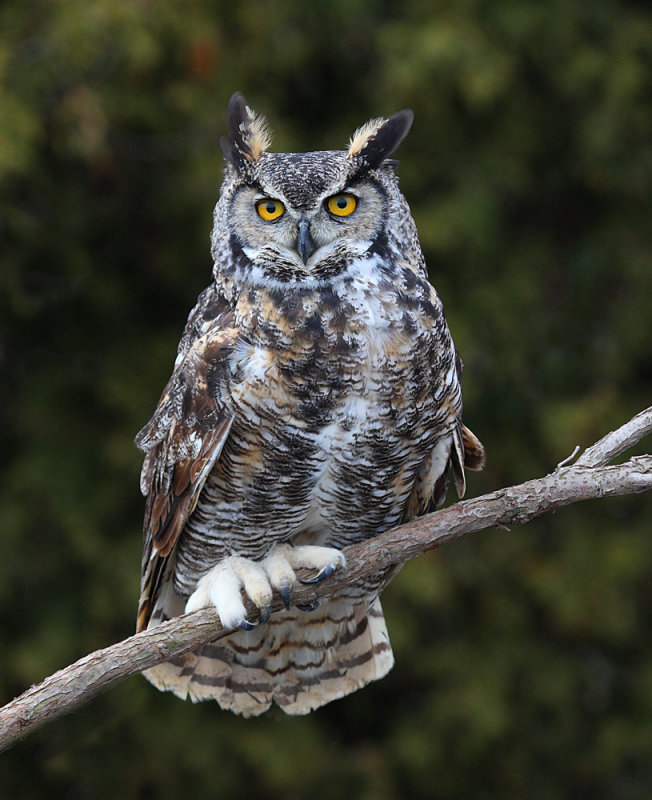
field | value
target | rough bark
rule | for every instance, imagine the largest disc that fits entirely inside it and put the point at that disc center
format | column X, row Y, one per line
column 589, row 477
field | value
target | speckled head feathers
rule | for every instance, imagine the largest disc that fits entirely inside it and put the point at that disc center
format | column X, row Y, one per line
column 306, row 240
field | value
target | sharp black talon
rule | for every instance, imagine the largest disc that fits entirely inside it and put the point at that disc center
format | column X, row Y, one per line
column 308, row 606
column 265, row 614
column 245, row 625
column 286, row 594
column 328, row 570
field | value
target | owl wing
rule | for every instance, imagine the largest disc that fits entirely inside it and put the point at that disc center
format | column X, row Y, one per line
column 184, row 439
column 459, row 449
column 467, row 450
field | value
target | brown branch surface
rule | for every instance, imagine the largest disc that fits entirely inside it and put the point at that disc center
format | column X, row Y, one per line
column 588, row 478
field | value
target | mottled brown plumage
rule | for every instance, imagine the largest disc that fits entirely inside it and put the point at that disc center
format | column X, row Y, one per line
column 315, row 402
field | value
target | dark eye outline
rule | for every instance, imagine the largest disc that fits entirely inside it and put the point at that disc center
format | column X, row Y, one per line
column 260, row 205
column 333, row 198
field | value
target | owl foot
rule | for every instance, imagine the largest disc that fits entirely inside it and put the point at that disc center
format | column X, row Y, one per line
column 223, row 585
column 281, row 563
column 324, row 573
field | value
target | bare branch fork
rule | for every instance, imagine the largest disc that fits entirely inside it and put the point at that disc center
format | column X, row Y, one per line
column 590, row 476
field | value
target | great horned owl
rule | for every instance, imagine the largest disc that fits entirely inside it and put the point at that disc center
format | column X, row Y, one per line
column 315, row 402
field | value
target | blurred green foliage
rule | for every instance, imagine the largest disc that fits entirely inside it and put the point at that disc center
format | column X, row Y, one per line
column 524, row 659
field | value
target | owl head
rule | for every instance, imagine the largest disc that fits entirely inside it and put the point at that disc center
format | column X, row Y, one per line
column 303, row 217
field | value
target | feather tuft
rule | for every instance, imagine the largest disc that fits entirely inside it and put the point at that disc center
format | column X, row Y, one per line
column 256, row 134
column 362, row 136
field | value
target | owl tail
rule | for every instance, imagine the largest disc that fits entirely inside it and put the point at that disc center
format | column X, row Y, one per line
column 298, row 660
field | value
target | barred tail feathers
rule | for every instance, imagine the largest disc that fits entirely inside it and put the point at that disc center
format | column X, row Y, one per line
column 299, row 660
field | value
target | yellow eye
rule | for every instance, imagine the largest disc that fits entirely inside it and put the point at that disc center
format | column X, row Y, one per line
column 270, row 209
column 341, row 204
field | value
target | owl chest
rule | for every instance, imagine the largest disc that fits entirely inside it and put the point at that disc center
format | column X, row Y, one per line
column 332, row 426
column 351, row 367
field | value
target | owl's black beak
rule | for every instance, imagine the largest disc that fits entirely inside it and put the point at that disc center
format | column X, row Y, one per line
column 305, row 245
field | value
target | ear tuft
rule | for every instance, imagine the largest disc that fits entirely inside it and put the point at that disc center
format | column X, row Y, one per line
column 250, row 134
column 378, row 138
column 362, row 136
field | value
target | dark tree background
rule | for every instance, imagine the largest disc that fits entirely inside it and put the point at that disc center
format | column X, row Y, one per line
column 524, row 659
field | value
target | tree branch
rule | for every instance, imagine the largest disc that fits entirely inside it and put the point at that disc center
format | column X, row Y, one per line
column 616, row 442
column 589, row 477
